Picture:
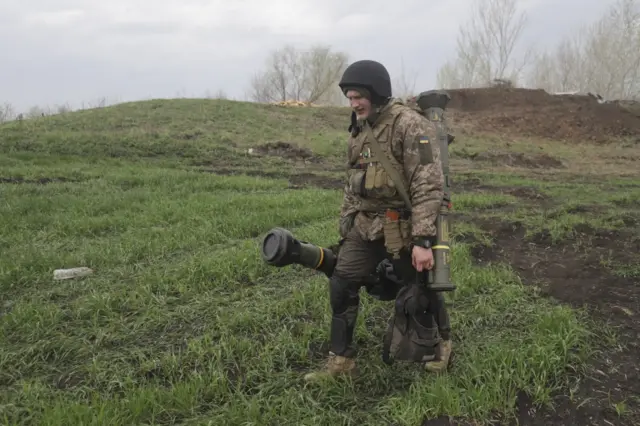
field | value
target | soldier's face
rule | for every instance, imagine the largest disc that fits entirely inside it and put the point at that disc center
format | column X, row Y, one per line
column 359, row 104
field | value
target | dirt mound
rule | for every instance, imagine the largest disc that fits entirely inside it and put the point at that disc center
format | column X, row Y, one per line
column 286, row 150
column 632, row 106
column 536, row 113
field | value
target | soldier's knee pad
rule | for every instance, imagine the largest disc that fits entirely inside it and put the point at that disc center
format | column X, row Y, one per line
column 342, row 294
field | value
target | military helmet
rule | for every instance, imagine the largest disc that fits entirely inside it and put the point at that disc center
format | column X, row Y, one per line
column 370, row 75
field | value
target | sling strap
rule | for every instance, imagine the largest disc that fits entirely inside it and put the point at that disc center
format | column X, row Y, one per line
column 386, row 163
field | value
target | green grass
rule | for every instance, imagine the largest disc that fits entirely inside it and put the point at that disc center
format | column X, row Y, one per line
column 211, row 129
column 607, row 204
column 182, row 322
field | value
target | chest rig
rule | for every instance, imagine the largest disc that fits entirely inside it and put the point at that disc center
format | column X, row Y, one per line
column 371, row 178
column 369, row 181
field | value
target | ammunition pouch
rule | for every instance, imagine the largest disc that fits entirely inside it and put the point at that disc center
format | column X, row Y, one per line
column 356, row 181
column 397, row 230
column 378, row 183
column 371, row 180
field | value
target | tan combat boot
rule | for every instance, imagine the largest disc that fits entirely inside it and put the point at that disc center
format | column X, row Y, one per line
column 336, row 365
column 441, row 361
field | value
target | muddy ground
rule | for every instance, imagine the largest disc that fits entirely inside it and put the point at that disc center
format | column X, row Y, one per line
column 296, row 180
column 40, row 181
column 287, row 150
column 303, row 167
column 514, row 159
column 571, row 273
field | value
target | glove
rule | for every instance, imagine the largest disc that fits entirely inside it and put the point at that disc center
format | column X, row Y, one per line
column 385, row 284
column 385, row 269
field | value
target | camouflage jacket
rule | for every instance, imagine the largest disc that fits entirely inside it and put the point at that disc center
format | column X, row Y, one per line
column 410, row 141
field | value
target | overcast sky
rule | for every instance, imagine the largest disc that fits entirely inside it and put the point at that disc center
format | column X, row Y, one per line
column 74, row 51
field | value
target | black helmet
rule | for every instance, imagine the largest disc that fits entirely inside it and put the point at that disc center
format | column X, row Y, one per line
column 370, row 75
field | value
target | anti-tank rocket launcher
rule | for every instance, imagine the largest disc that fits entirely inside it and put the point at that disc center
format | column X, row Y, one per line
column 281, row 248
column 432, row 103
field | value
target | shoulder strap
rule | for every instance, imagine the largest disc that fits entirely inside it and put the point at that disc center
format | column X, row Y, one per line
column 360, row 141
column 391, row 171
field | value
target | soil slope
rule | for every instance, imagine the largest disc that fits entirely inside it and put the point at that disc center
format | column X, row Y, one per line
column 536, row 113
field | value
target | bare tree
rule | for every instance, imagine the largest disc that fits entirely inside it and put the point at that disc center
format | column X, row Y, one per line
column 299, row 75
column 7, row 113
column 36, row 111
column 612, row 52
column 569, row 66
column 486, row 47
column 63, row 108
column 542, row 72
column 220, row 94
column 603, row 57
column 97, row 103
column 404, row 86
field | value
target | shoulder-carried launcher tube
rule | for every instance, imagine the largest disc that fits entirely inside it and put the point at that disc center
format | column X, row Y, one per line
column 433, row 103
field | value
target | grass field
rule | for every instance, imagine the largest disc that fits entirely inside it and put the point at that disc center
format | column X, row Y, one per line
column 182, row 322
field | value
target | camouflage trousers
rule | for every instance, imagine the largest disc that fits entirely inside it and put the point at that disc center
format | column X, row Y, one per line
column 357, row 261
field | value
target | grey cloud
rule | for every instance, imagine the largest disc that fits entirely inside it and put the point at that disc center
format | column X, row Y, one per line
column 142, row 55
column 145, row 29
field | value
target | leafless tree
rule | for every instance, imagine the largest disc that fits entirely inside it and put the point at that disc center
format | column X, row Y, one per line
column 486, row 47
column 563, row 69
column 97, row 103
column 603, row 57
column 569, row 66
column 403, row 85
column 7, row 113
column 612, row 52
column 299, row 75
column 543, row 72
column 220, row 94
column 63, row 108
column 36, row 111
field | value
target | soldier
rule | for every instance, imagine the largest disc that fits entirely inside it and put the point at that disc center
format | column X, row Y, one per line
column 374, row 223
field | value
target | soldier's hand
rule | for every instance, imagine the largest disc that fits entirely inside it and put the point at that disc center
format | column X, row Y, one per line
column 422, row 258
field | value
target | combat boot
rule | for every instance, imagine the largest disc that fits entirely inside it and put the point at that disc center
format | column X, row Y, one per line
column 443, row 355
column 344, row 301
column 336, row 365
